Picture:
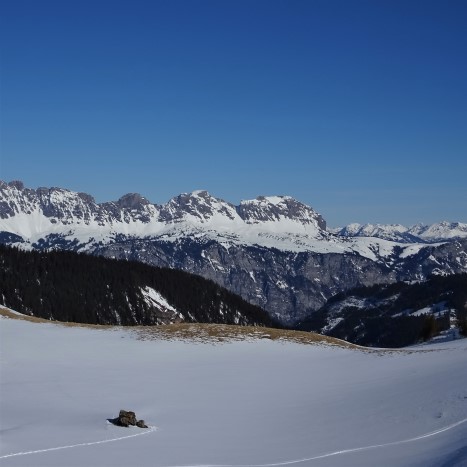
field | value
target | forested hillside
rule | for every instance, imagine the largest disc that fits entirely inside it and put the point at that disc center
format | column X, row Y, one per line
column 394, row 315
column 67, row 286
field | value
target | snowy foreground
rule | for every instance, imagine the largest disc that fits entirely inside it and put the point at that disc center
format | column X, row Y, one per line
column 255, row 403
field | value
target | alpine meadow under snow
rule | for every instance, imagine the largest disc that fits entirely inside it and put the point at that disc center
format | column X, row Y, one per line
column 250, row 402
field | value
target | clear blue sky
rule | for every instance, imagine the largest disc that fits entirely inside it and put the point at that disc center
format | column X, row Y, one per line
column 358, row 108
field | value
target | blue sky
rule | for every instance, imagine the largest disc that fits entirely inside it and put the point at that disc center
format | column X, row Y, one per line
column 358, row 108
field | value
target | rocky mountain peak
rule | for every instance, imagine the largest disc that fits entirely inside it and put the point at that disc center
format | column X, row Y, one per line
column 132, row 201
column 275, row 208
column 65, row 205
column 200, row 205
column 87, row 198
column 18, row 184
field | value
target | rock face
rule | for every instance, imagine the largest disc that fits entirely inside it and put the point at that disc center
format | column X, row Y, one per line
column 273, row 251
column 290, row 284
column 128, row 418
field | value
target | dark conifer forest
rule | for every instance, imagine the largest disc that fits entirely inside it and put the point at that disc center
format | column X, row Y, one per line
column 67, row 286
column 386, row 319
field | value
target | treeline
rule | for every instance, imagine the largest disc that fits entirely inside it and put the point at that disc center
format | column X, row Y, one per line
column 416, row 295
column 67, row 286
column 385, row 320
column 364, row 327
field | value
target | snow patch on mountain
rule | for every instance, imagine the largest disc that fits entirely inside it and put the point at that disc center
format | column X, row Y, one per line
column 156, row 300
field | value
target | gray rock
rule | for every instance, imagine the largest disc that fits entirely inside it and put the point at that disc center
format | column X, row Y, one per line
column 125, row 418
column 141, row 424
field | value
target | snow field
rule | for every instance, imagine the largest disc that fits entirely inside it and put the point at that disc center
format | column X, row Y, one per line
column 238, row 403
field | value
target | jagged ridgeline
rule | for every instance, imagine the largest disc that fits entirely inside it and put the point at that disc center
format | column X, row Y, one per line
column 74, row 287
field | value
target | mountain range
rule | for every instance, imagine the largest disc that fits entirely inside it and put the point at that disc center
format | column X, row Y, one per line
column 273, row 251
column 418, row 233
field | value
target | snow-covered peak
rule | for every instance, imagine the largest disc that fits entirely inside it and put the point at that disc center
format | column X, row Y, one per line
column 197, row 206
column 33, row 213
column 132, row 201
column 277, row 208
column 57, row 204
column 350, row 230
column 392, row 232
column 66, row 206
column 440, row 231
column 267, row 200
column 200, row 193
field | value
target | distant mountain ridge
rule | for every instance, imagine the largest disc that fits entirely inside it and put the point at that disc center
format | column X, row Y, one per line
column 438, row 232
column 273, row 251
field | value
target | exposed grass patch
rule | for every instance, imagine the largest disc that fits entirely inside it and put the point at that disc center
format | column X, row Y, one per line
column 217, row 333
column 33, row 319
column 196, row 332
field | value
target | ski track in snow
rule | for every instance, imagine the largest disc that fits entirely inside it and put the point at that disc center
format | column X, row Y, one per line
column 290, row 462
column 335, row 453
column 38, row 451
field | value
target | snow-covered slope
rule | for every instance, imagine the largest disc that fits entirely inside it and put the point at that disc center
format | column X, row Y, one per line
column 248, row 403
